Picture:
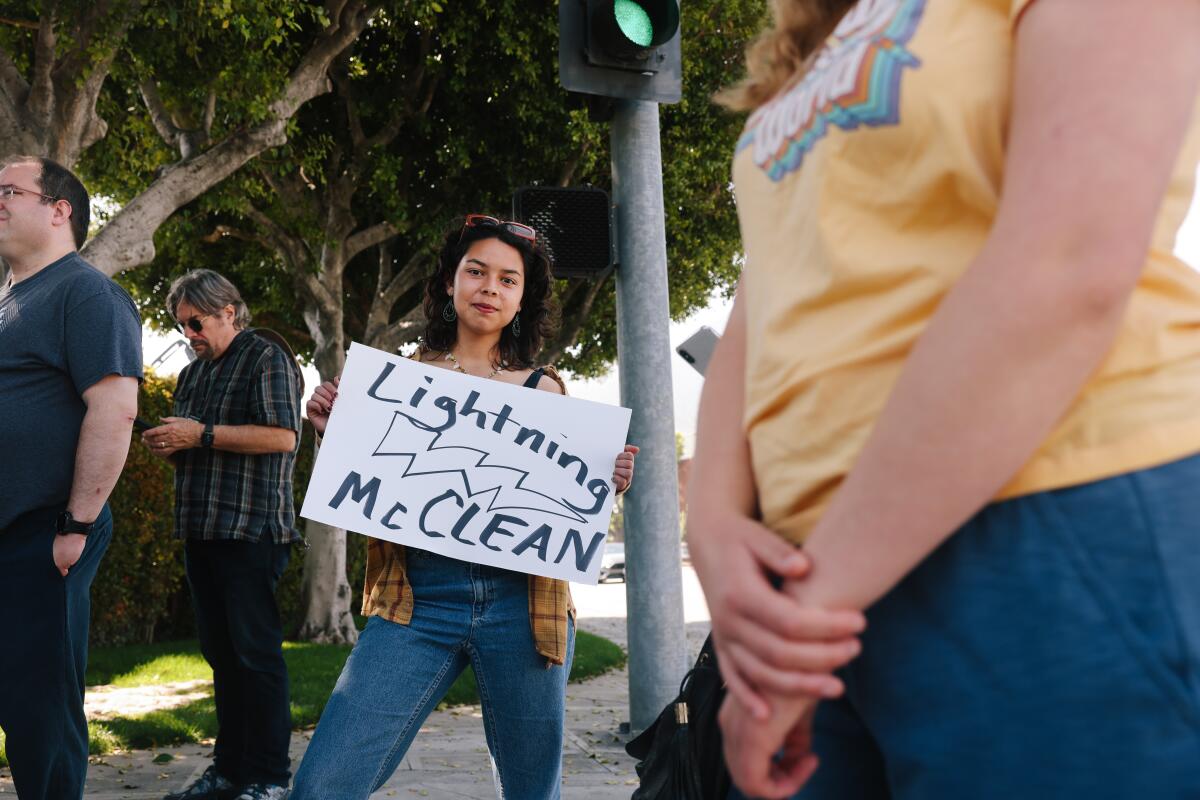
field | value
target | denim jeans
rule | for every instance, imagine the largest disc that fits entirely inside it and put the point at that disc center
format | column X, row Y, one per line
column 43, row 657
column 462, row 614
column 241, row 637
column 1049, row 649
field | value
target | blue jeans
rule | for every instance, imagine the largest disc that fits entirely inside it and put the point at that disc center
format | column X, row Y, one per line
column 43, row 657
column 1049, row 649
column 462, row 614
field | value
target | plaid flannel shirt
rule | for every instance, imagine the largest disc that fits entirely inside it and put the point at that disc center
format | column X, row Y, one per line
column 223, row 495
column 388, row 594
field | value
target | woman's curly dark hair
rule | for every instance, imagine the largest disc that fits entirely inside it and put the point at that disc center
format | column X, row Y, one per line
column 539, row 318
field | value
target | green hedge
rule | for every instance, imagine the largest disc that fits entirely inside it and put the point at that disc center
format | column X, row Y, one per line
column 140, row 594
column 141, row 577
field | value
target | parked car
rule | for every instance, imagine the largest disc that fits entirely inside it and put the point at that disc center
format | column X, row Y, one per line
column 612, row 563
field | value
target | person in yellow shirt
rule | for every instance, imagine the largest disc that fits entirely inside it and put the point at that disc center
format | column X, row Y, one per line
column 970, row 388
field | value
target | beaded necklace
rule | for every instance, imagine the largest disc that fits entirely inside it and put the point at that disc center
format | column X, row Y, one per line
column 450, row 357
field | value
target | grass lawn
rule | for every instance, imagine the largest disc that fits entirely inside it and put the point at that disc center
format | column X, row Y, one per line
column 313, row 669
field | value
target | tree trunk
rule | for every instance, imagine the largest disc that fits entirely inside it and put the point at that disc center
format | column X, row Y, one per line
column 324, row 589
column 325, row 592
column 50, row 109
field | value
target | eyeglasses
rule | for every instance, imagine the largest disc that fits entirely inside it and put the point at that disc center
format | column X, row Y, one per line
column 8, row 190
column 194, row 323
column 515, row 228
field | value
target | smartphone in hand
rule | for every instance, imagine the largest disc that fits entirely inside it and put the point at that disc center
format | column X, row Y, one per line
column 140, row 424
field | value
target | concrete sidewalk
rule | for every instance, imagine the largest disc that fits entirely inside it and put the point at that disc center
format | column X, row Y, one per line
column 449, row 758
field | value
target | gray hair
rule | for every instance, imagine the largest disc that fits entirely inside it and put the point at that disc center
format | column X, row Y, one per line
column 208, row 292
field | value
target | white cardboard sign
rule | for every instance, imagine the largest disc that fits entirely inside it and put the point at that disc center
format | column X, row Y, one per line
column 474, row 469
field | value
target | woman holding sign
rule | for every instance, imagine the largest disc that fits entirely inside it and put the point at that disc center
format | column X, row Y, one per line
column 488, row 309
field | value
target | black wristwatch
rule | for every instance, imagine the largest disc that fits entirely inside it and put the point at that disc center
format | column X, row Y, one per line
column 206, row 438
column 66, row 524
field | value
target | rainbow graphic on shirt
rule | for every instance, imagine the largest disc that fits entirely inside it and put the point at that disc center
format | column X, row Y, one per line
column 854, row 81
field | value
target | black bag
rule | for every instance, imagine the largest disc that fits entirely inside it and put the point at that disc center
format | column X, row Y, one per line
column 680, row 754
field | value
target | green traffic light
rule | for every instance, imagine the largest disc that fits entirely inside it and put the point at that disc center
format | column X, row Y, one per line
column 634, row 22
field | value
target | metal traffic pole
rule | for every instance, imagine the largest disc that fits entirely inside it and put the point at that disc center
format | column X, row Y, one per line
column 653, row 573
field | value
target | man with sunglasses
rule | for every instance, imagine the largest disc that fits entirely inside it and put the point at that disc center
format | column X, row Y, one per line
column 233, row 440
column 70, row 363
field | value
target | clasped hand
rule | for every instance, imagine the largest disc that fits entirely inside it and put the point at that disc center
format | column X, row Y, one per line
column 777, row 655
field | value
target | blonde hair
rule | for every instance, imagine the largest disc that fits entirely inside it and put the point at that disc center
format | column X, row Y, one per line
column 782, row 53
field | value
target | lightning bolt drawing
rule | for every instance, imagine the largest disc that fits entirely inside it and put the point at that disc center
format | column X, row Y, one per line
column 417, row 441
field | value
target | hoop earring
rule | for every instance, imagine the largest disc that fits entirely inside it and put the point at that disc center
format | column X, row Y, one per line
column 448, row 312
column 516, row 325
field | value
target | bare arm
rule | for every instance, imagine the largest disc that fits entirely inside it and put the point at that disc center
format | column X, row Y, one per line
column 103, row 443
column 179, row 433
column 1100, row 111
column 99, row 457
column 254, row 440
column 733, row 554
column 721, row 476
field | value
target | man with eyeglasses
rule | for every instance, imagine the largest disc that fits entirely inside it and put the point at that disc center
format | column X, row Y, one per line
column 233, row 440
column 70, row 363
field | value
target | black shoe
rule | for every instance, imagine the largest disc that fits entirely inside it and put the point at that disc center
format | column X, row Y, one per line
column 212, row 785
column 262, row 791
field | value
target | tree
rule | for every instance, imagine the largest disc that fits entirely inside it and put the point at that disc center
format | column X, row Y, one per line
column 434, row 114
column 219, row 83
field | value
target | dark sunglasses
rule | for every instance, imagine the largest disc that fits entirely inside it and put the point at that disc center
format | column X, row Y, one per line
column 194, row 323
column 483, row 220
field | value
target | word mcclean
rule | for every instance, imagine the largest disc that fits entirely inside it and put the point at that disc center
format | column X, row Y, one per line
column 449, row 515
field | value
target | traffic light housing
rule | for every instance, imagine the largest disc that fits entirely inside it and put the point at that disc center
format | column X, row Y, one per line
column 574, row 224
column 620, row 48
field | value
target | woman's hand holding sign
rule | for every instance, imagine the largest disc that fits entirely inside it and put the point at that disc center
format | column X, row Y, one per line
column 623, row 471
column 320, row 404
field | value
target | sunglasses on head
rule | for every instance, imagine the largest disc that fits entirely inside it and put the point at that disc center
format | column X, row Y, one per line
column 483, row 220
column 194, row 323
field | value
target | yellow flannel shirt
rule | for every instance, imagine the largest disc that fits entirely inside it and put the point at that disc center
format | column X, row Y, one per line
column 388, row 594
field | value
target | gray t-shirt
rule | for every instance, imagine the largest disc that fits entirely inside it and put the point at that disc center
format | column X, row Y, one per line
column 61, row 331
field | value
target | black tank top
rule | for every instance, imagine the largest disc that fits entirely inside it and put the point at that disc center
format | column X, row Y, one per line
column 535, row 376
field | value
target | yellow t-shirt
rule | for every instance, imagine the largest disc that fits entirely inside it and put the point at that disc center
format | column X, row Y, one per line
column 864, row 193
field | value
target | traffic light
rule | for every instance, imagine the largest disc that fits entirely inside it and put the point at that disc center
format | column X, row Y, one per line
column 620, row 48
